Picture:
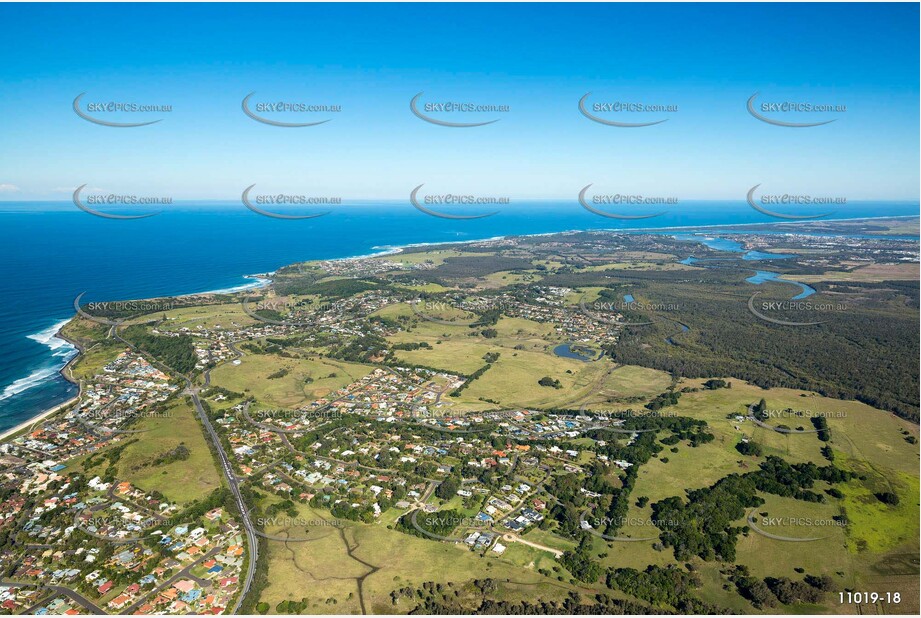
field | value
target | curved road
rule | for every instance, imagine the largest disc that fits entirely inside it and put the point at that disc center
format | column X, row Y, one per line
column 63, row 590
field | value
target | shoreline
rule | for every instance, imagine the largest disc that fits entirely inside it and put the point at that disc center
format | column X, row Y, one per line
column 9, row 433
column 386, row 250
column 264, row 279
column 66, row 373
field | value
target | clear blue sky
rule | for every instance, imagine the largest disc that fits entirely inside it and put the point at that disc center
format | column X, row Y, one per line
column 537, row 59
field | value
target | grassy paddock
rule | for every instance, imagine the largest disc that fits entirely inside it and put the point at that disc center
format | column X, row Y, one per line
column 251, row 376
column 180, row 481
column 322, row 569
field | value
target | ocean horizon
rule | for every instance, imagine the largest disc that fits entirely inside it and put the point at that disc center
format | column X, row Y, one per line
column 52, row 252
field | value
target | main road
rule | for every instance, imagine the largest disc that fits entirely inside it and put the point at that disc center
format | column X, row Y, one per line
column 192, row 391
column 237, row 494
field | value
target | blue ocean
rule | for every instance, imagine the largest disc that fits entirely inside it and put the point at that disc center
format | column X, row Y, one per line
column 51, row 252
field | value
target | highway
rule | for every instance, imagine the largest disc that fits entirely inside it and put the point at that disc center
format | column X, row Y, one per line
column 226, row 467
column 252, row 541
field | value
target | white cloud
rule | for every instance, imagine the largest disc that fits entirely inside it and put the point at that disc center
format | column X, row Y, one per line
column 72, row 189
column 8, row 188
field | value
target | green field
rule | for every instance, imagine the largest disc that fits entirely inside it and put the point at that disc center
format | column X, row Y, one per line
column 323, row 569
column 180, row 481
column 207, row 316
column 865, row 440
column 95, row 358
column 525, row 349
column 293, row 389
column 514, row 379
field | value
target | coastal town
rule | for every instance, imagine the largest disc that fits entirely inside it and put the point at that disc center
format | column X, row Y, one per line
column 378, row 447
column 426, row 398
column 98, row 544
column 460, row 309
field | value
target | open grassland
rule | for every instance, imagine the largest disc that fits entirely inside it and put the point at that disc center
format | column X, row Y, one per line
column 896, row 572
column 395, row 311
column 229, row 315
column 293, row 388
column 869, row 434
column 435, row 257
column 689, row 468
column 411, row 561
column 626, row 383
column 542, row 537
column 529, row 557
column 428, row 288
column 323, row 568
column 451, row 354
column 94, row 358
column 511, row 334
column 513, row 380
column 873, row 526
column 869, row 442
column 525, row 356
column 843, row 553
column 633, row 554
column 505, row 278
column 180, row 481
column 869, row 550
column 97, row 351
column 871, row 273
column 319, row 571
column 468, row 595
column 85, row 332
column 714, row 590
column 796, row 519
column 645, row 266
column 524, row 332
column 441, row 310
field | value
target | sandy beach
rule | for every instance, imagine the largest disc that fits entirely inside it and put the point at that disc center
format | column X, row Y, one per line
column 37, row 419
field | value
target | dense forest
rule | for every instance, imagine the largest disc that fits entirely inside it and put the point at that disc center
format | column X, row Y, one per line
column 848, row 357
column 176, row 352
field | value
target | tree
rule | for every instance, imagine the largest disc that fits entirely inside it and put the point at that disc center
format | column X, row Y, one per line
column 447, row 489
column 749, row 448
column 887, row 497
column 548, row 381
